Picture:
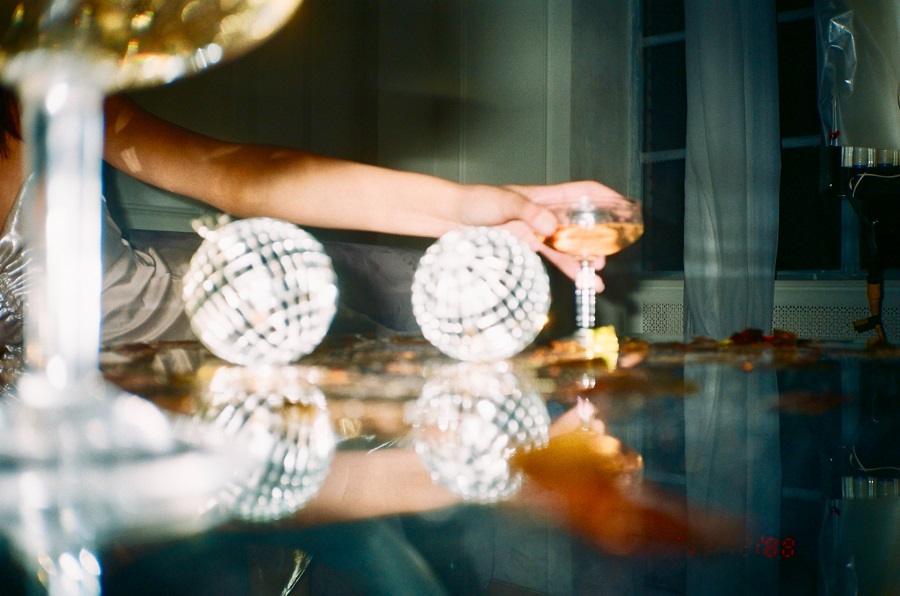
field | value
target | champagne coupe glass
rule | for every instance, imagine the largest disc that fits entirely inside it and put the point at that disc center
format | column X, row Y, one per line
column 591, row 227
column 79, row 460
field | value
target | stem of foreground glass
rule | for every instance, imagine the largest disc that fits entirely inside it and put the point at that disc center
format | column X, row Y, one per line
column 62, row 115
column 62, row 125
column 586, row 296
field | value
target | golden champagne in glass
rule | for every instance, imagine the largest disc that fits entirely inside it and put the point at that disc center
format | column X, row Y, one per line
column 139, row 42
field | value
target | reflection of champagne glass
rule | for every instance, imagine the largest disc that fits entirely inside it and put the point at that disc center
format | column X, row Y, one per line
column 591, row 227
column 62, row 57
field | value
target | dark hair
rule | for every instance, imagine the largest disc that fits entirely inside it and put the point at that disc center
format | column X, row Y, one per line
column 10, row 127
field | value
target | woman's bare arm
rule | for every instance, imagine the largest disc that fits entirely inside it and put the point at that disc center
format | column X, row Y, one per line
column 245, row 180
column 259, row 180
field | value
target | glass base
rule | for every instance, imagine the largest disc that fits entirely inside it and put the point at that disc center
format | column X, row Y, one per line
column 93, row 467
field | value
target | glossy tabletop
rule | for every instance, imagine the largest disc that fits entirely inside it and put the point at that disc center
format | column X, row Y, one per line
column 757, row 465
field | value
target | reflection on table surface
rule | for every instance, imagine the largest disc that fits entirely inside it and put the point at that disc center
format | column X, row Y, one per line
column 756, row 465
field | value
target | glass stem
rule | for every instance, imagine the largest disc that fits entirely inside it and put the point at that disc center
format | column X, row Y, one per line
column 62, row 116
column 586, row 296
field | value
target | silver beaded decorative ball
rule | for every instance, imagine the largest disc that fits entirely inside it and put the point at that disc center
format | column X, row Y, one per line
column 480, row 294
column 282, row 421
column 469, row 421
column 260, row 291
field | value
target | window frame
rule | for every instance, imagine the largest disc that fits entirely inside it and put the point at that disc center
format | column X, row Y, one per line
column 850, row 267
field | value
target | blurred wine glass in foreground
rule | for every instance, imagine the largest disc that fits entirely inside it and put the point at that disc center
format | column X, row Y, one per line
column 72, row 447
column 591, row 227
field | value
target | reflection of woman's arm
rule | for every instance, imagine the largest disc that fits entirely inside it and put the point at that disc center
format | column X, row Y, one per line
column 390, row 481
column 364, row 484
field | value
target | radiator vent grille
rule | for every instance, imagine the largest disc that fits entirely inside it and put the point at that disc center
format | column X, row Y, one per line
column 662, row 319
column 819, row 322
column 831, row 322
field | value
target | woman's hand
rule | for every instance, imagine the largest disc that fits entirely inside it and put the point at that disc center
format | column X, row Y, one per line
column 524, row 212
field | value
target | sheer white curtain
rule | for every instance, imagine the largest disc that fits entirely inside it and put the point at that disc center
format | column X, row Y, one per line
column 732, row 459
column 733, row 166
column 732, row 177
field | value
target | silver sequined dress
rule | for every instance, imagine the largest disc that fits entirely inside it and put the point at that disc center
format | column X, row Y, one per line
column 141, row 288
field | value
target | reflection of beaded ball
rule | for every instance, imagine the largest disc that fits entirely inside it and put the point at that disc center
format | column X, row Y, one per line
column 480, row 294
column 260, row 291
column 283, row 421
column 468, row 422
